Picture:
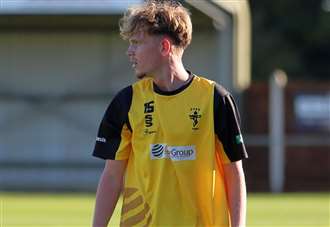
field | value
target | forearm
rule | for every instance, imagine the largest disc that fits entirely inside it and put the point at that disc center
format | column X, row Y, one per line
column 236, row 193
column 108, row 191
column 237, row 203
column 107, row 195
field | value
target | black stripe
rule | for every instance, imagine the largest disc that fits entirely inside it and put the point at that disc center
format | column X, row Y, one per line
column 115, row 117
column 226, row 124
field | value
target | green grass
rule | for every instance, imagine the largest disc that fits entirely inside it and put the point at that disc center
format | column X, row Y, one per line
column 75, row 210
column 289, row 209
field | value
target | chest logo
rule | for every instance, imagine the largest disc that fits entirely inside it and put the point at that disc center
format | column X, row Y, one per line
column 148, row 110
column 195, row 117
column 174, row 153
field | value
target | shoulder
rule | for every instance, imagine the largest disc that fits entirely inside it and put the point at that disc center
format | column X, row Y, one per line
column 117, row 111
column 202, row 81
column 219, row 90
column 121, row 102
column 127, row 92
column 142, row 84
column 124, row 97
column 124, row 94
column 223, row 99
column 203, row 85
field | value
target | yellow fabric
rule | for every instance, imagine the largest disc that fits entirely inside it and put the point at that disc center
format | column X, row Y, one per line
column 125, row 144
column 168, row 191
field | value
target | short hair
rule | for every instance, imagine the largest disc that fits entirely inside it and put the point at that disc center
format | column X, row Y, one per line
column 162, row 17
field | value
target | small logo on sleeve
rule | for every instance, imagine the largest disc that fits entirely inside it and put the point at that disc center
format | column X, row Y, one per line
column 101, row 139
column 239, row 139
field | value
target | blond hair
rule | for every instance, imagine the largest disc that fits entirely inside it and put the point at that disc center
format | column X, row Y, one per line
column 166, row 17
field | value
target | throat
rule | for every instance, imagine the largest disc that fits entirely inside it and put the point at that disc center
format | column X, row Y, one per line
column 173, row 88
column 173, row 83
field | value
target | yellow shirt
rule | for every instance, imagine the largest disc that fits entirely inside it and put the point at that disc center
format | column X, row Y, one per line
column 175, row 143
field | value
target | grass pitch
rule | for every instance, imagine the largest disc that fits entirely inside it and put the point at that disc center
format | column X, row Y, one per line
column 75, row 210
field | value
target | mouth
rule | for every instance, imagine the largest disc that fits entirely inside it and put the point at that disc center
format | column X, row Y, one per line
column 134, row 64
column 141, row 76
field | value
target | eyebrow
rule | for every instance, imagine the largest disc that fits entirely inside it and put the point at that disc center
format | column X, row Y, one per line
column 132, row 41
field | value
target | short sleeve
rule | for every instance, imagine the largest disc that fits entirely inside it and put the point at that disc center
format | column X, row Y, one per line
column 113, row 139
column 227, row 126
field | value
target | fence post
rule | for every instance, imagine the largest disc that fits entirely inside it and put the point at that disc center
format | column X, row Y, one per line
column 277, row 84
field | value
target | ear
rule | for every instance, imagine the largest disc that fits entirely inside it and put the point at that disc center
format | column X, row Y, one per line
column 166, row 46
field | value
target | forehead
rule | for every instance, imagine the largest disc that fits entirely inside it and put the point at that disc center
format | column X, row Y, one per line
column 142, row 35
column 138, row 35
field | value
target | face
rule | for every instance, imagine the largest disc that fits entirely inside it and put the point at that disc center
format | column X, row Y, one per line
column 144, row 54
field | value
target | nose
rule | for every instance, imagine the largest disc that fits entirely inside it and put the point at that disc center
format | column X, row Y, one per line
column 130, row 51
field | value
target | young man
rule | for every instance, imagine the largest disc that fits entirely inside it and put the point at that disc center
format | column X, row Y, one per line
column 174, row 136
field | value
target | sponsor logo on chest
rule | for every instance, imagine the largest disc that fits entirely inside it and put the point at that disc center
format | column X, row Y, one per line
column 175, row 153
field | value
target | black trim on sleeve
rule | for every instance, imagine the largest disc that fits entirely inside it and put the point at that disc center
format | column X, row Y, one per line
column 109, row 133
column 227, row 124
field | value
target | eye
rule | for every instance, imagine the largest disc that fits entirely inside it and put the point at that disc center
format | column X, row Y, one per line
column 134, row 42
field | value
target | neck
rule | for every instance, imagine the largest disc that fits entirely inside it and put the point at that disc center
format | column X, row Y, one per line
column 172, row 76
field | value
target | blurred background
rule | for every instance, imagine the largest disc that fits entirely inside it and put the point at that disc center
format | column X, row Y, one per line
column 61, row 62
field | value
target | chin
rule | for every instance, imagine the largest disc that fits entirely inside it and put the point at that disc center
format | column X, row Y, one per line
column 141, row 75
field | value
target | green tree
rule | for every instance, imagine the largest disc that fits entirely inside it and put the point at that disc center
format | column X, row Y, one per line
column 293, row 35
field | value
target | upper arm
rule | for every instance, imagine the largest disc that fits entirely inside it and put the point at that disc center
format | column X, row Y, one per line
column 234, row 176
column 114, row 134
column 227, row 126
column 115, row 168
column 233, row 169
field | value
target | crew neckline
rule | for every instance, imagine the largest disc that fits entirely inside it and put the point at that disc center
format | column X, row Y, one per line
column 176, row 91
